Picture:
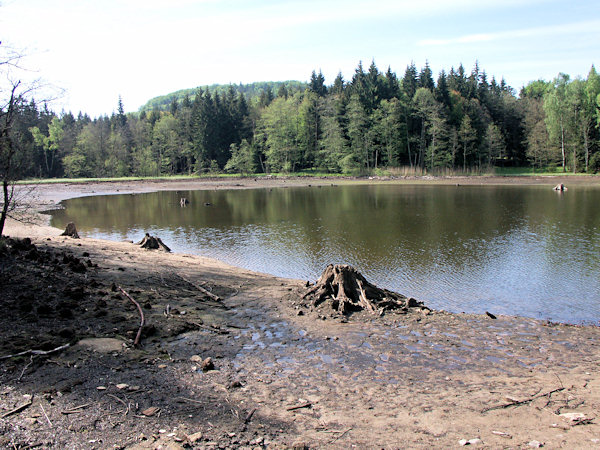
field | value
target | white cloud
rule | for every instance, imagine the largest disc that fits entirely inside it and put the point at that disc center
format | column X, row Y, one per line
column 592, row 26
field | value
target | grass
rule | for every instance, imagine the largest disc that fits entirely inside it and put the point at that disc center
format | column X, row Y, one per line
column 530, row 171
column 388, row 171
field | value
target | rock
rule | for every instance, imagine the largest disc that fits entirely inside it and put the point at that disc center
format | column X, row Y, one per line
column 474, row 441
column 573, row 417
column 535, row 444
column 122, row 386
column 299, row 446
column 151, row 411
column 195, row 437
column 101, row 388
column 195, row 358
column 208, row 364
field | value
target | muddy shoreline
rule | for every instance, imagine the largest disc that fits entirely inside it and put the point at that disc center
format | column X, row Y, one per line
column 286, row 376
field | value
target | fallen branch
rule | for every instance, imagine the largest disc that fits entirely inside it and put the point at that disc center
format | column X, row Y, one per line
column 46, row 415
column 18, row 408
column 523, row 402
column 249, row 416
column 36, row 352
column 75, row 409
column 136, row 342
column 127, row 406
column 300, row 406
column 200, row 288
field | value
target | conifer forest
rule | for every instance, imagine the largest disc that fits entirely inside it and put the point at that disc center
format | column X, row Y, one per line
column 460, row 122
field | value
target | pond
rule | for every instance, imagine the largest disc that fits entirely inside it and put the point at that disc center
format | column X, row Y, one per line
column 517, row 250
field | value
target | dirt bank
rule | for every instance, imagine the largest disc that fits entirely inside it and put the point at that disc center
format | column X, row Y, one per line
column 285, row 375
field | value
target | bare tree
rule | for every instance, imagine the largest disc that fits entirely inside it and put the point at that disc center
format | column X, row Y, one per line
column 13, row 93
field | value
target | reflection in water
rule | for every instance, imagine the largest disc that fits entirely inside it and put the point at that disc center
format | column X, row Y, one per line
column 509, row 250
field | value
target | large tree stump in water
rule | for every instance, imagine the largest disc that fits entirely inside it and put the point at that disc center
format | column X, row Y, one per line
column 153, row 243
column 349, row 291
column 71, row 230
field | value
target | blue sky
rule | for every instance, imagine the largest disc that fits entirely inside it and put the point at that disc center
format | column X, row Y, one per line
column 98, row 50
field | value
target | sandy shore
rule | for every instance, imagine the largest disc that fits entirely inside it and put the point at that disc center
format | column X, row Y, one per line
column 286, row 375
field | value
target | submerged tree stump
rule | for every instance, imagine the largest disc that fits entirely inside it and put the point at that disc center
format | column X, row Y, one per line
column 349, row 291
column 71, row 231
column 153, row 243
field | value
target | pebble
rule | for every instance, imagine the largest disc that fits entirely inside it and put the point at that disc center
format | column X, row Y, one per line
column 535, row 444
column 122, row 386
column 474, row 441
column 162, row 366
column 101, row 388
column 195, row 437
column 208, row 364
column 148, row 412
column 195, row 358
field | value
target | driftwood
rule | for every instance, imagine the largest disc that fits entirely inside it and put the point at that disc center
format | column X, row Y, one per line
column 200, row 288
column 37, row 352
column 142, row 322
column 349, row 291
column 153, row 243
column 522, row 402
column 71, row 230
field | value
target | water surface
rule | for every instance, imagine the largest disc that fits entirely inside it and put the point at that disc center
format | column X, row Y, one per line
column 519, row 250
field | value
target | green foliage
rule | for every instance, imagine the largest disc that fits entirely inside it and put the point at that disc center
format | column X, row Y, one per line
column 464, row 122
column 594, row 166
column 243, row 159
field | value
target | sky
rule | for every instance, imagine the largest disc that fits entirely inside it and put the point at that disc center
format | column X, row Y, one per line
column 94, row 51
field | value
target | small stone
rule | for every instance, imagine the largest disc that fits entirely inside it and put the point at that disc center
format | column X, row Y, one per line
column 162, row 366
column 149, row 412
column 195, row 358
column 208, row 364
column 535, row 444
column 162, row 431
column 31, row 421
column 101, row 388
column 122, row 386
column 573, row 417
column 195, row 437
column 299, row 446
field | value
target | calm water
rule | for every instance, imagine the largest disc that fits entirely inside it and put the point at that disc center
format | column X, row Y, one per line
column 510, row 250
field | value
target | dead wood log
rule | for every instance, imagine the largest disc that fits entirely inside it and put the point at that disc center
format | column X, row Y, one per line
column 142, row 322
column 349, row 291
column 153, row 243
column 71, row 231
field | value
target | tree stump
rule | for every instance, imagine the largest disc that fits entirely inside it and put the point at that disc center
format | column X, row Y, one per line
column 349, row 291
column 71, row 231
column 560, row 187
column 153, row 243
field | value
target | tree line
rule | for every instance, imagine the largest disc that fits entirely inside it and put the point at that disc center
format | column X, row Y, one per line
column 460, row 121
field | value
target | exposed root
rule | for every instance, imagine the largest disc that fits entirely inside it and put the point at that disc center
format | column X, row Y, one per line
column 349, row 291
